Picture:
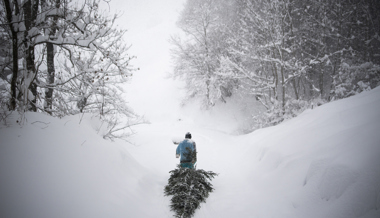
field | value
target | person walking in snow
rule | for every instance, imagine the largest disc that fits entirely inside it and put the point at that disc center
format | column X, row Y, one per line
column 187, row 150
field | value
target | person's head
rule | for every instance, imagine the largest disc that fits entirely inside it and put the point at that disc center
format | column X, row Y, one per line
column 188, row 136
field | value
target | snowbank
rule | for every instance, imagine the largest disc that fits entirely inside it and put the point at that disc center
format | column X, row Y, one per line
column 324, row 163
column 62, row 168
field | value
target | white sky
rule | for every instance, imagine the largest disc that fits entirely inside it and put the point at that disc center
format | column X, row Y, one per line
column 150, row 24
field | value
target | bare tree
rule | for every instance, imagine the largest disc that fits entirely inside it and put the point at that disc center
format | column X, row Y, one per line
column 198, row 54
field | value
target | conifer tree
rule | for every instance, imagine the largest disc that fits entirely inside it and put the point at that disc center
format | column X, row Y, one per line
column 188, row 187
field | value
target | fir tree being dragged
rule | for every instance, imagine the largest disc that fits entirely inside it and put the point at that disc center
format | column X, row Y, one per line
column 188, row 187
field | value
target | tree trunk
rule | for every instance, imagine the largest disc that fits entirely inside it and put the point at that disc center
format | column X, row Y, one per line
column 275, row 77
column 12, row 105
column 283, row 88
column 50, row 78
column 295, row 88
column 9, row 12
column 30, row 78
column 50, row 65
column 30, row 14
column 321, row 81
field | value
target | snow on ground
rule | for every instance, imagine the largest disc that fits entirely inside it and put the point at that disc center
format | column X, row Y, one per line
column 62, row 168
column 324, row 163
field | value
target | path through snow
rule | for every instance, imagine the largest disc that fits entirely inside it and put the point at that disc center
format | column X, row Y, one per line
column 324, row 163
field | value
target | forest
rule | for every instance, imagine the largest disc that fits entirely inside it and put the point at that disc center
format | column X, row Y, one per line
column 289, row 55
column 64, row 57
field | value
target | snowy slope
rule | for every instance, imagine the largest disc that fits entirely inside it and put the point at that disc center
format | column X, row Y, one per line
column 60, row 168
column 324, row 163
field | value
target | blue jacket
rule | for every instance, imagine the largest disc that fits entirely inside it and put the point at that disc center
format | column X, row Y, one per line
column 181, row 149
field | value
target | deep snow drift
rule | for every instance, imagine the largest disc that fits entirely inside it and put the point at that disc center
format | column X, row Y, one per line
column 324, row 163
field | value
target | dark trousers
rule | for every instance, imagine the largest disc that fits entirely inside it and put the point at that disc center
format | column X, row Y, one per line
column 187, row 165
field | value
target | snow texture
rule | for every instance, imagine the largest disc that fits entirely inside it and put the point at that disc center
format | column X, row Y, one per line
column 324, row 163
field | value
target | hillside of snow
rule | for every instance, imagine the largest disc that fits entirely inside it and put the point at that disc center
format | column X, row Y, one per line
column 324, row 163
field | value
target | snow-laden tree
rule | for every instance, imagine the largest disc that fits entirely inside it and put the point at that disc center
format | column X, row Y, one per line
column 288, row 54
column 74, row 60
column 297, row 52
column 262, row 50
column 358, row 64
column 199, row 53
column 91, row 82
column 10, row 14
column 50, row 23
